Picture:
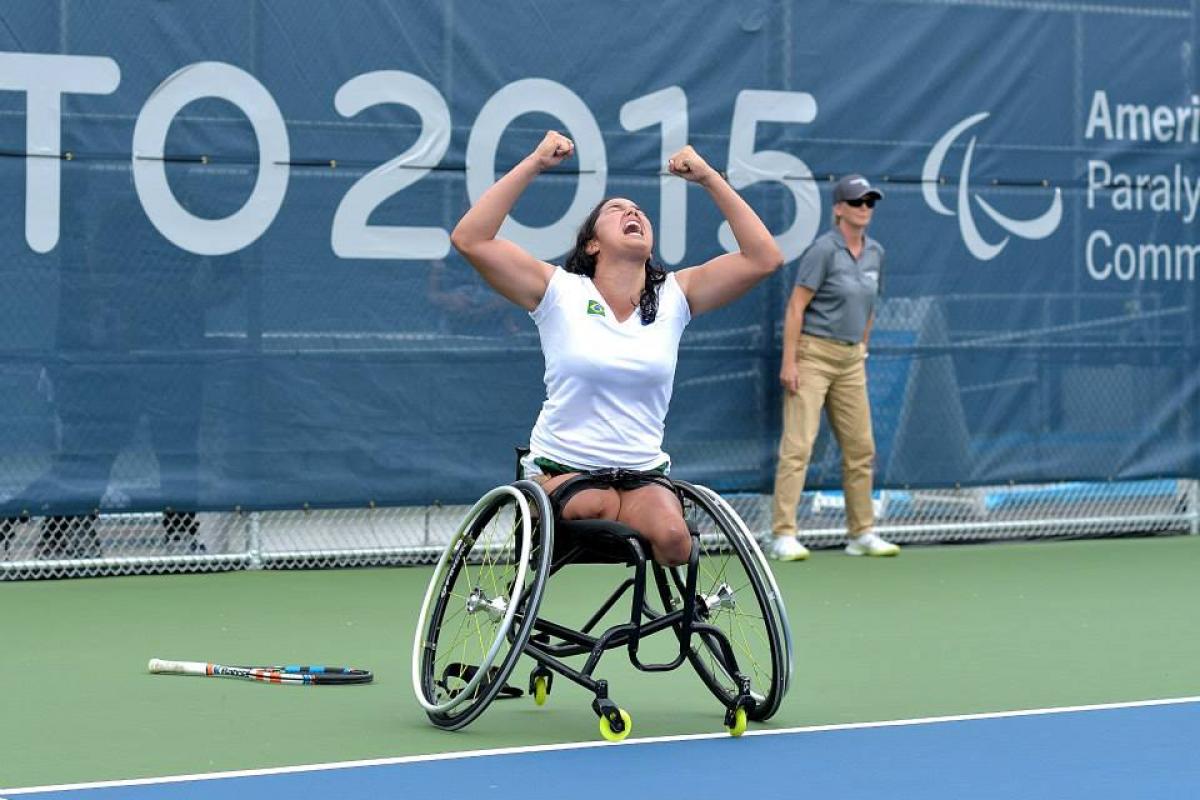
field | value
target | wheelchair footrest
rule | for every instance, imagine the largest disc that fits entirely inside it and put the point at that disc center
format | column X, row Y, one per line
column 466, row 672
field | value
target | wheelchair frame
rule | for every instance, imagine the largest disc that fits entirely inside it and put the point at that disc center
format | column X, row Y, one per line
column 534, row 546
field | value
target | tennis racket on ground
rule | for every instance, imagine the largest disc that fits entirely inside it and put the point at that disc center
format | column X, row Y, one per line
column 293, row 673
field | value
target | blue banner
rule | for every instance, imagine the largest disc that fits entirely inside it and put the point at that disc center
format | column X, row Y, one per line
column 227, row 277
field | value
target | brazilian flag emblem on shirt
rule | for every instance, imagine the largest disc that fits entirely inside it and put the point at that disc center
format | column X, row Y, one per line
column 595, row 309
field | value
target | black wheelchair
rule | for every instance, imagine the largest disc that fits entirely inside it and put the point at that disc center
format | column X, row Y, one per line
column 481, row 610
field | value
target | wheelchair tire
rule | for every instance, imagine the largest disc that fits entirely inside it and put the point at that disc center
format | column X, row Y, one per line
column 482, row 602
column 756, row 554
column 745, row 605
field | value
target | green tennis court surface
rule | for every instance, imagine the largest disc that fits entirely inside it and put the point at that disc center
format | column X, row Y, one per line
column 938, row 631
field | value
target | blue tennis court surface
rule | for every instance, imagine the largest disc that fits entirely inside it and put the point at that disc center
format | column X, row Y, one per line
column 1143, row 750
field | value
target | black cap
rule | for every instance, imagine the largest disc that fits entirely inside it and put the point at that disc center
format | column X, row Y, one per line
column 852, row 187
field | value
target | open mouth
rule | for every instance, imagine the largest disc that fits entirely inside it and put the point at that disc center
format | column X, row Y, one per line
column 632, row 228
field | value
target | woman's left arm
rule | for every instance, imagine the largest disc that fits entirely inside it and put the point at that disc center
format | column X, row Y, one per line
column 725, row 278
column 871, row 316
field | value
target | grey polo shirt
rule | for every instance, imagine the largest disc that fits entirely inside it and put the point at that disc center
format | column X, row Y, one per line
column 844, row 290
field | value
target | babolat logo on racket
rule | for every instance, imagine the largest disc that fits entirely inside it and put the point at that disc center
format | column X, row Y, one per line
column 308, row 675
column 595, row 309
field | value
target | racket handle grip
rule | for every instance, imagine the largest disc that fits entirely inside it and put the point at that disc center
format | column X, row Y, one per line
column 158, row 665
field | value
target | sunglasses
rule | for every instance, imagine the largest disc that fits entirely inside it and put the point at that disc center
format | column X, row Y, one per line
column 869, row 202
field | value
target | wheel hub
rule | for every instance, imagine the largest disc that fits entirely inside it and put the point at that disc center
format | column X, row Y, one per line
column 723, row 597
column 478, row 600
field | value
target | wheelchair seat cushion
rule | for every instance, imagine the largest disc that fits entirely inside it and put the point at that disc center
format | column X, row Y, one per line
column 600, row 541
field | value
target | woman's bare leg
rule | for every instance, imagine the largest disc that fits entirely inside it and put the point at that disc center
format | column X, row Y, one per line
column 654, row 512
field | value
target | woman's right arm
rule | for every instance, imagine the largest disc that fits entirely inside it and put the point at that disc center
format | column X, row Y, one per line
column 793, row 325
column 507, row 267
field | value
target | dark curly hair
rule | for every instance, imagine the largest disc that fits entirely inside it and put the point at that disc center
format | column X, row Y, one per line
column 581, row 262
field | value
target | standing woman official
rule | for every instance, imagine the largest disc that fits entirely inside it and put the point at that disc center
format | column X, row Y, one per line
column 609, row 324
column 825, row 336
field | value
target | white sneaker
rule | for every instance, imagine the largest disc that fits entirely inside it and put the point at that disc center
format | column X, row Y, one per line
column 787, row 548
column 871, row 544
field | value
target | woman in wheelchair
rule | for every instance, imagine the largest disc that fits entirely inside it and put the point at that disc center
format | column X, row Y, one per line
column 610, row 322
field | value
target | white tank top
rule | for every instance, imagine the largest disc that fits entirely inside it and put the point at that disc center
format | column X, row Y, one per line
column 608, row 383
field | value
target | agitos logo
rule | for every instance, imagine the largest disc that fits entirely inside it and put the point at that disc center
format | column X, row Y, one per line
column 1038, row 228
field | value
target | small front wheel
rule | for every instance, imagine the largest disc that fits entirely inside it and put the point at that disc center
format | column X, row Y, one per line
column 740, row 720
column 615, row 736
column 541, row 690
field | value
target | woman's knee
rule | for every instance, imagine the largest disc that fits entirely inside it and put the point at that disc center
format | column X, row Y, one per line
column 858, row 454
column 792, row 461
column 672, row 543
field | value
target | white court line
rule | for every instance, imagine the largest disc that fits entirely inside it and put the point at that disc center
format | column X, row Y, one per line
column 546, row 748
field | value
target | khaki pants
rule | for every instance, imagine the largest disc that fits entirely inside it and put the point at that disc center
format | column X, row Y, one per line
column 832, row 375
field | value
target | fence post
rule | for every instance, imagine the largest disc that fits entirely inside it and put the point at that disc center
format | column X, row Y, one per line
column 253, row 530
column 1193, row 495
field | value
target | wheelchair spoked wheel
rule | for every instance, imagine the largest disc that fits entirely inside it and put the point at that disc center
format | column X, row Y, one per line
column 755, row 554
column 481, row 604
column 738, row 595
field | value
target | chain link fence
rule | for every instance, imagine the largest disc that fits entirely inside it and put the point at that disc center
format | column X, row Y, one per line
column 129, row 544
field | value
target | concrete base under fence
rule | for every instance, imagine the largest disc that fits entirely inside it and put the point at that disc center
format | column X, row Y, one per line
column 124, row 544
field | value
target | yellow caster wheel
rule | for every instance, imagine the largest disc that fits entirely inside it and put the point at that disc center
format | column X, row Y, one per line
column 739, row 723
column 615, row 736
column 541, row 690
